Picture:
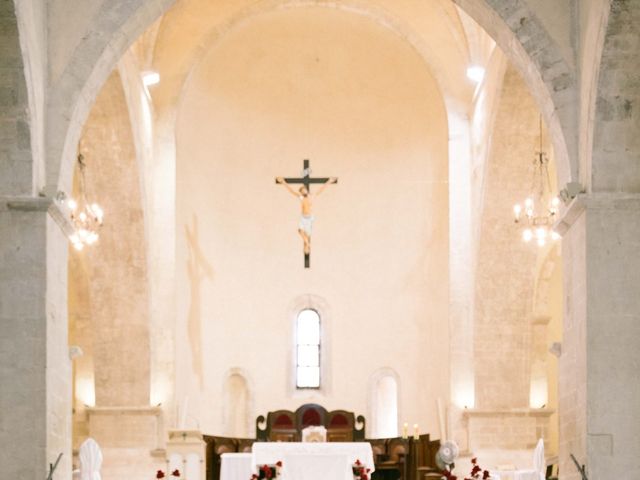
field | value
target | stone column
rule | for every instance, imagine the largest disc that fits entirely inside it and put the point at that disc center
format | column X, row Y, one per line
column 35, row 396
column 461, row 275
column 600, row 386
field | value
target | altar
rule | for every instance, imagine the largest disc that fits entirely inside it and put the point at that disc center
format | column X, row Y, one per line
column 278, row 439
column 300, row 461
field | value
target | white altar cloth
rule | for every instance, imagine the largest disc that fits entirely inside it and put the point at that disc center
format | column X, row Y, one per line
column 318, row 458
column 537, row 473
column 316, row 466
column 515, row 475
column 236, row 466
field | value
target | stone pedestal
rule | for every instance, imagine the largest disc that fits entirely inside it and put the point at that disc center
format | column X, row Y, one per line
column 131, row 439
column 126, row 427
column 186, row 451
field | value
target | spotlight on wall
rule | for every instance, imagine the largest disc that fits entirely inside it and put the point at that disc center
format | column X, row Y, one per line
column 150, row 77
column 475, row 73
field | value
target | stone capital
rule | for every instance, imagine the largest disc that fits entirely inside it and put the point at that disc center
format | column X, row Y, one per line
column 26, row 204
column 595, row 201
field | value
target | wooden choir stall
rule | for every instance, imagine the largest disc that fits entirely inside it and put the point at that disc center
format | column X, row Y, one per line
column 393, row 458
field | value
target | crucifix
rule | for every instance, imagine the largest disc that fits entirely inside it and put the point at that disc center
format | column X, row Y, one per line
column 305, row 196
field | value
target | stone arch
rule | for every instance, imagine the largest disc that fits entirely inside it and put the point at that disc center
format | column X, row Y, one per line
column 616, row 145
column 374, row 13
column 382, row 384
column 116, row 26
column 552, row 81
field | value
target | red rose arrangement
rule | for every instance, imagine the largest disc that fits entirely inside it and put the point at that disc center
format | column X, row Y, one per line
column 477, row 473
column 268, row 472
column 175, row 473
column 360, row 472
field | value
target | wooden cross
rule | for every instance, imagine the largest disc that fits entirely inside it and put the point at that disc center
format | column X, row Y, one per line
column 306, row 180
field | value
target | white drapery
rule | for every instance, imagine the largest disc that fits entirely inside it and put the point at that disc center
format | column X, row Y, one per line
column 90, row 460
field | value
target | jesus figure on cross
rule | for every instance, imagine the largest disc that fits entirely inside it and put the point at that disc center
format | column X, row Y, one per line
column 306, row 220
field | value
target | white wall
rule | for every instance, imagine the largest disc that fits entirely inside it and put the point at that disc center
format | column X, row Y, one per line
column 278, row 89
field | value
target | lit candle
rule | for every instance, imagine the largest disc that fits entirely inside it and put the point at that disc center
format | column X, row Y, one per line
column 405, row 430
column 416, row 433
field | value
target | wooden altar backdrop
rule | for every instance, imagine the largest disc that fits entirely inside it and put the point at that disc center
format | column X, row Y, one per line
column 395, row 458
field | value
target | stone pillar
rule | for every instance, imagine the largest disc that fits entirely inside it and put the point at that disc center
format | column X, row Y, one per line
column 461, row 287
column 600, row 386
column 35, row 370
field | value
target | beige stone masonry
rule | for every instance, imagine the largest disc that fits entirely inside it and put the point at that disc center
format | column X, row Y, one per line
column 509, row 429
column 127, row 427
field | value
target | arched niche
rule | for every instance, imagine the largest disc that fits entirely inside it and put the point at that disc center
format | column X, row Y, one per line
column 384, row 401
column 237, row 405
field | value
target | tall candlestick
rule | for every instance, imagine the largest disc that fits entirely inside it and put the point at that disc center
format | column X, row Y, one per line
column 416, row 433
column 405, row 430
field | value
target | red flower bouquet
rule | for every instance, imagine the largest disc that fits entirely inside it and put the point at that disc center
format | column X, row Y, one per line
column 268, row 472
column 360, row 472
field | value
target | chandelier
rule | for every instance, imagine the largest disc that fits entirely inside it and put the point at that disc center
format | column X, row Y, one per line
column 86, row 217
column 540, row 207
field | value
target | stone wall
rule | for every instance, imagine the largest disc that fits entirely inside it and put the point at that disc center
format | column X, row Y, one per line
column 509, row 429
column 108, row 296
column 379, row 262
column 507, row 341
column 504, row 277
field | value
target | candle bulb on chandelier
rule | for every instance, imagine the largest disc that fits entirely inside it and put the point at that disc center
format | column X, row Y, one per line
column 517, row 210
column 416, row 433
column 405, row 430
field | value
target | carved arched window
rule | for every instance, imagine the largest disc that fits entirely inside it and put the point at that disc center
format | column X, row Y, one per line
column 308, row 349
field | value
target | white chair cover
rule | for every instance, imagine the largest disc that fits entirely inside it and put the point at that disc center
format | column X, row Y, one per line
column 90, row 460
column 539, row 462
